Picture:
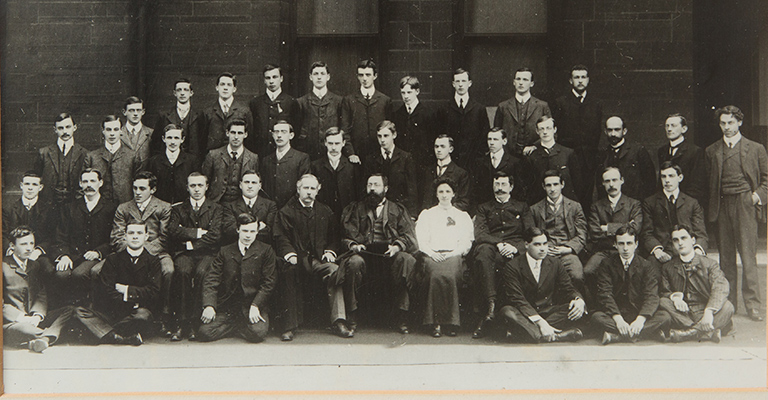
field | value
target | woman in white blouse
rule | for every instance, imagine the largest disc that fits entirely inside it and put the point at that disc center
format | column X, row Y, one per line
column 445, row 235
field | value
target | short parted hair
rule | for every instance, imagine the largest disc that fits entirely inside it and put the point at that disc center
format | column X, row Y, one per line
column 332, row 131
column 681, row 227
column 132, row 100
column 182, row 80
column 606, row 169
column 546, row 118
column 171, row 127
column 459, row 71
column 670, row 164
column 148, row 176
column 386, row 124
column 368, row 64
column 20, row 232
column 533, row 232
column 270, row 67
column 497, row 129
column 579, row 67
column 245, row 219
column 31, row 174
column 383, row 177
column 62, row 117
column 319, row 64
column 623, row 122
column 683, row 121
column 238, row 122
column 733, row 110
column 89, row 171
column 626, row 229
column 250, row 172
column 525, row 69
column 109, row 118
column 502, row 174
column 444, row 181
column 283, row 122
column 134, row 221
column 306, row 176
column 195, row 174
column 412, row 81
column 445, row 136
column 550, row 173
column 227, row 75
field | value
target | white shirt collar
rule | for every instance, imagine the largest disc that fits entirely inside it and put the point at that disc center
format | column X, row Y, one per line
column 112, row 148
column 615, row 200
column 242, row 247
column 227, row 102
column 444, row 163
column 69, row 144
column 273, row 95
column 677, row 141
column 183, row 107
column 131, row 128
column 143, row 206
column 22, row 264
column 621, row 143
column 522, row 99
column 688, row 258
column 90, row 204
column 198, row 203
column 676, row 193
column 550, row 147
column 239, row 151
column 532, row 262
column 281, row 153
column 368, row 92
column 509, row 197
column 334, row 160
column 172, row 156
column 250, row 202
column 583, row 95
column 457, row 98
column 499, row 154
column 320, row 93
column 413, row 105
column 134, row 253
column 29, row 203
column 555, row 203
column 384, row 153
column 732, row 140
column 624, row 262
column 307, row 206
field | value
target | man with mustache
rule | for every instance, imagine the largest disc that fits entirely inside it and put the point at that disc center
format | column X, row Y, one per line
column 283, row 167
column 339, row 177
column 499, row 226
column 82, row 238
column 381, row 234
column 631, row 159
column 117, row 163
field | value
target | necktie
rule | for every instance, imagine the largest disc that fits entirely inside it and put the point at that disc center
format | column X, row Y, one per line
column 581, row 98
column 409, row 109
column 537, row 271
column 387, row 155
column 64, row 149
column 196, row 207
column 134, row 260
column 234, row 156
column 461, row 103
column 672, row 210
column 226, row 109
column 730, row 145
column 672, row 150
column 626, row 265
column 133, row 130
column 367, row 96
column 440, row 170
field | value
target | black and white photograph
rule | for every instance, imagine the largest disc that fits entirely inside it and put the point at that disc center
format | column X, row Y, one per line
column 384, row 198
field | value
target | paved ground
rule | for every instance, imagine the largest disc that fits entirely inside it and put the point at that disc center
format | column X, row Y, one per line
column 382, row 360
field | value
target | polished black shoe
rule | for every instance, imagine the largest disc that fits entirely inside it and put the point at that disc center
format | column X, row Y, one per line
column 287, row 336
column 609, row 338
column 571, row 335
column 177, row 335
column 192, row 335
column 165, row 329
column 755, row 315
column 134, row 340
column 436, row 331
column 679, row 335
column 403, row 328
column 341, row 330
column 112, row 338
column 351, row 322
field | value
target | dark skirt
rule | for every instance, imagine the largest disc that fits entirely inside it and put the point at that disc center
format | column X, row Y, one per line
column 439, row 290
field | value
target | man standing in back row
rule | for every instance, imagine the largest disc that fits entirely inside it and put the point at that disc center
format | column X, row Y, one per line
column 518, row 115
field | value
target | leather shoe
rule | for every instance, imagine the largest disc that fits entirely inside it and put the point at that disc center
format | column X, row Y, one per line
column 609, row 338
column 38, row 345
column 287, row 336
column 679, row 335
column 436, row 331
column 192, row 334
column 177, row 335
column 113, row 338
column 755, row 315
column 134, row 340
column 715, row 336
column 571, row 335
column 341, row 330
column 403, row 328
column 165, row 329
column 450, row 331
column 661, row 337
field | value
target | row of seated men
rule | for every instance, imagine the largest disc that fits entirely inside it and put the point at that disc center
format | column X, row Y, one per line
column 232, row 284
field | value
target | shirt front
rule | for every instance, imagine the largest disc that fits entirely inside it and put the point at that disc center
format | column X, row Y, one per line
column 196, row 204
column 112, row 148
column 385, row 155
column 368, row 93
column 183, row 109
column 22, row 264
column 412, row 106
column 274, row 95
column 581, row 96
column 29, row 203
column 143, row 205
column 172, row 155
column 461, row 101
column 524, row 98
column 320, row 93
column 732, row 141
column 243, row 248
column 226, row 104
column 618, row 145
column 535, row 266
column 281, row 153
column 627, row 262
column 239, row 151
column 555, row 205
column 334, row 161
column 250, row 202
column 91, row 204
column 675, row 194
column 496, row 157
column 134, row 129
column 68, row 143
column 614, row 201
column 380, row 208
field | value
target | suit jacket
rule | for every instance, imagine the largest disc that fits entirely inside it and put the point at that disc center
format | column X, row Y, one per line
column 690, row 158
column 636, row 168
column 468, row 127
column 520, row 289
column 279, row 177
column 190, row 127
column 41, row 218
column 265, row 113
column 157, row 216
column 642, row 294
column 453, row 172
column 235, row 282
column 657, row 227
column 579, row 124
column 359, row 118
column 628, row 212
column 80, row 231
column 707, row 280
column 184, row 225
column 315, row 116
column 339, row 187
column 416, row 132
column 754, row 165
column 559, row 158
column 140, row 143
column 502, row 223
column 400, row 170
column 575, row 222
column 307, row 236
column 483, row 172
column 142, row 278
column 47, row 166
column 521, row 129
column 216, row 167
column 117, row 174
column 264, row 210
column 23, row 291
column 357, row 221
column 213, row 124
column 172, row 178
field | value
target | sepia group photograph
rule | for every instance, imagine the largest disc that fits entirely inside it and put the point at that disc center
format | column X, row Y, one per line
column 384, row 198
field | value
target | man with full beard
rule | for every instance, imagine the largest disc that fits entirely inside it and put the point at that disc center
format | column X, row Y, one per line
column 381, row 236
